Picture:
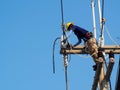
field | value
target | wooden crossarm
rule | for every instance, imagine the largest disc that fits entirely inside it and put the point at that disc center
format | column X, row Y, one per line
column 81, row 50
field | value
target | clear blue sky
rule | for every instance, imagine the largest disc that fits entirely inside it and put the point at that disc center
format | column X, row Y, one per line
column 27, row 31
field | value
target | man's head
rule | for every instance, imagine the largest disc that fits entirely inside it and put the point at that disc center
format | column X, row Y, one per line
column 69, row 25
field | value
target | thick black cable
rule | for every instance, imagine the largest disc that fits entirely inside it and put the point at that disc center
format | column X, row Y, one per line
column 53, row 61
column 62, row 14
column 103, row 8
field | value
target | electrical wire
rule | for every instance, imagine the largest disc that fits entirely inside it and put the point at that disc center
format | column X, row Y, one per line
column 110, row 35
column 62, row 14
column 53, row 61
column 64, row 36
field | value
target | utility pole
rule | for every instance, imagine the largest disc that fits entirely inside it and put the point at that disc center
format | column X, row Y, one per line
column 102, row 74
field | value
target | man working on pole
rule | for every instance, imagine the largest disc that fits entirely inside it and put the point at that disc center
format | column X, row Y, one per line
column 89, row 41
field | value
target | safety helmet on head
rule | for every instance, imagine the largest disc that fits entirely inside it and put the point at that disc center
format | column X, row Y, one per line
column 68, row 25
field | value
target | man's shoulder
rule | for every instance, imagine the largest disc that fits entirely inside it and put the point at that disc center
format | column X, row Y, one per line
column 78, row 28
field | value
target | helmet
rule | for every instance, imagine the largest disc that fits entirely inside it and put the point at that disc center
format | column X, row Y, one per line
column 68, row 25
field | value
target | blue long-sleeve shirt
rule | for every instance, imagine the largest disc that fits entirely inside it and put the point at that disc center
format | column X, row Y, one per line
column 80, row 33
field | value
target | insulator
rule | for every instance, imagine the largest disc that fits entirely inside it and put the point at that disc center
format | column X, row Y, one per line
column 64, row 43
column 111, row 54
column 100, row 54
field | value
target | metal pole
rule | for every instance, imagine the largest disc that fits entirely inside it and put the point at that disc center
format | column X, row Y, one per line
column 93, row 15
column 101, row 40
column 100, row 15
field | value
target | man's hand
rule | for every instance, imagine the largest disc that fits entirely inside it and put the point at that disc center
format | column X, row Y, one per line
column 69, row 45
